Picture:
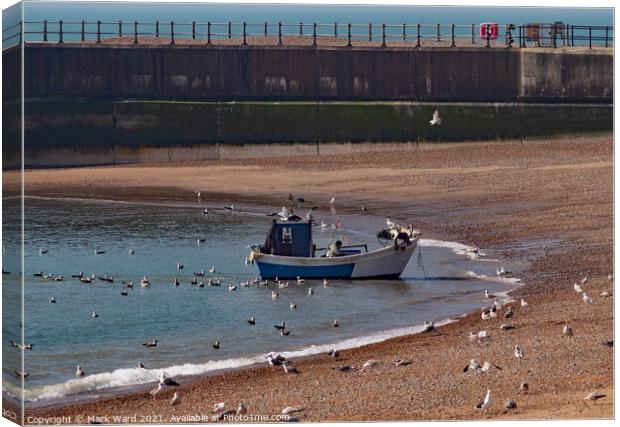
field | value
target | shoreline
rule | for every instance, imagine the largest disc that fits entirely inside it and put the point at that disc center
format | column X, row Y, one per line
column 556, row 249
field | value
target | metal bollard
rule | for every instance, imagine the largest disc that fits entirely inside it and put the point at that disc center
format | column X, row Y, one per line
column 314, row 34
column 280, row 33
column 60, row 39
column 157, row 29
column 336, row 29
column 45, row 30
column 135, row 32
column 208, row 32
column 404, row 32
column 120, row 28
column 244, row 34
column 193, row 30
column 370, row 31
column 488, row 32
column 98, row 31
column 418, row 36
column 438, row 32
column 452, row 44
column 301, row 28
column 473, row 34
column 265, row 28
column 171, row 32
column 229, row 30
column 83, row 32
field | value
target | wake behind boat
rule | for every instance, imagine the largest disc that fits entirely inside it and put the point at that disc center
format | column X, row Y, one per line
column 289, row 253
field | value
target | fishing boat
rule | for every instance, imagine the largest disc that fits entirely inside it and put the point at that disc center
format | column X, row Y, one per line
column 289, row 253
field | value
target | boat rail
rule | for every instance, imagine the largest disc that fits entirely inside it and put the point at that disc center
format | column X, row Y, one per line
column 346, row 247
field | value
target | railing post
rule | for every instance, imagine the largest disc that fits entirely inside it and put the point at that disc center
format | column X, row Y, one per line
column 418, row 36
column 265, row 28
column 208, row 32
column 572, row 36
column 382, row 35
column 314, row 34
column 336, row 29
column 156, row 29
column 349, row 35
column 404, row 32
column 244, row 34
column 45, row 30
column 473, row 33
column 229, row 30
column 60, row 39
column 98, row 31
column 301, row 28
column 21, row 32
column 120, row 28
column 488, row 33
column 589, row 36
column 606, row 36
column 280, row 33
column 193, row 30
column 452, row 35
column 370, row 31
column 135, row 32
column 171, row 32
column 520, row 35
column 438, row 32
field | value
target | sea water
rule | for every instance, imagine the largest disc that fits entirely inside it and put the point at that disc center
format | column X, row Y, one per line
column 437, row 284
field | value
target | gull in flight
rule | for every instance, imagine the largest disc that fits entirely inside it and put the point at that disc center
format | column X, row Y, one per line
column 518, row 352
column 79, row 372
column 486, row 402
column 176, row 398
column 436, row 120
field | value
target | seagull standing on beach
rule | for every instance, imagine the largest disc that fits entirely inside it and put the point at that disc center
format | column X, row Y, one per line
column 586, row 298
column 164, row 380
column 436, row 120
column 486, row 402
column 567, row 331
column 577, row 288
column 176, row 398
column 524, row 303
column 518, row 352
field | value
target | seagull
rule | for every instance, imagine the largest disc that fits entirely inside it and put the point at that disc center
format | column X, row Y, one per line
column 212, row 270
column 164, row 380
column 79, row 372
column 176, row 398
column 216, row 345
column 403, row 362
column 325, row 282
column 124, row 293
column 275, row 359
column 484, row 404
column 99, row 252
column 343, row 368
column 131, row 252
column 594, row 396
column 229, row 208
column 310, row 291
column 52, row 300
column 486, row 315
column 577, row 288
column 586, row 299
column 75, row 276
column 284, row 333
column 281, row 326
column 241, row 409
column 472, row 365
column 94, row 315
column 518, row 352
column 218, row 407
column 293, row 306
column 200, row 273
column 509, row 313
column 42, row 251
column 251, row 321
column 605, row 294
column 487, row 295
column 332, row 200
column 524, row 388
column 180, row 266
column 505, row 327
column 436, row 120
column 370, row 364
column 152, row 343
column 300, row 280
column 290, row 410
column 141, row 365
column 487, row 366
column 567, row 331
column 390, row 224
column 584, row 280
column 510, row 404
column 335, row 324
column 22, row 374
column 524, row 303
column 232, row 287
column 500, row 272
column 274, row 295
column 428, row 326
column 610, row 277
column 156, row 390
column 199, row 241
column 289, row 368
column 333, row 353
column 364, row 209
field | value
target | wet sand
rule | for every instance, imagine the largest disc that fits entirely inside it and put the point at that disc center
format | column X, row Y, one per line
column 545, row 204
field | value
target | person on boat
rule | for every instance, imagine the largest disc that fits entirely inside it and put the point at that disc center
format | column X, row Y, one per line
column 334, row 250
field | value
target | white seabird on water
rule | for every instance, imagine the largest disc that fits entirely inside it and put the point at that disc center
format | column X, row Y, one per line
column 94, row 315
column 79, row 372
column 274, row 295
column 52, row 300
column 518, row 351
column 486, row 402
column 131, row 252
column 436, row 120
column 310, row 291
column 212, row 270
column 487, row 295
column 252, row 321
column 335, row 324
column 293, row 306
column 176, row 398
column 325, row 282
column 232, row 287
column 152, row 343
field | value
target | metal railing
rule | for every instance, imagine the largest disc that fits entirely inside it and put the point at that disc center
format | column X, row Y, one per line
column 301, row 34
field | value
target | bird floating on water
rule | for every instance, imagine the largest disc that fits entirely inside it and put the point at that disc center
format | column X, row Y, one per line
column 487, row 295
column 131, row 252
column 281, row 326
column 216, row 345
column 152, row 343
column 335, row 324
column 212, row 270
column 42, row 251
column 232, row 287
column 325, row 282
column 141, row 365
column 52, row 300
column 293, row 306
column 79, row 372
column 310, row 291
column 252, row 321
column 94, row 315
column 436, row 120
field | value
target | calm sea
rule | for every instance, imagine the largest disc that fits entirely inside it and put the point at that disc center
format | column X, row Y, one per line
column 187, row 319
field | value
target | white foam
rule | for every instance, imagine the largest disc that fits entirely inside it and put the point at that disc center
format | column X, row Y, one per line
column 497, row 279
column 136, row 376
column 458, row 248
